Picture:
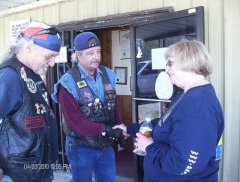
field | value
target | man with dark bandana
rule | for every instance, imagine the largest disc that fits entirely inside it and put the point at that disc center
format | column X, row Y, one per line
column 86, row 94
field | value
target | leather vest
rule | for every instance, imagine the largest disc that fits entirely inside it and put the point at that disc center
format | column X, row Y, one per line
column 26, row 137
column 92, row 108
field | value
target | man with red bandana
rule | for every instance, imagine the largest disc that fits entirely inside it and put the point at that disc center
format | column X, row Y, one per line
column 28, row 130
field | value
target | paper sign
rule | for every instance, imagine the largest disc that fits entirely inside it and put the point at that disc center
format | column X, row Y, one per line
column 16, row 27
column 62, row 57
column 158, row 60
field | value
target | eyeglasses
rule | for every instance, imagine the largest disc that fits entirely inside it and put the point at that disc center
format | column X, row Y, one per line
column 50, row 31
column 169, row 63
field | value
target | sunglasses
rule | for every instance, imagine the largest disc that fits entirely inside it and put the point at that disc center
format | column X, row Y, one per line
column 169, row 63
column 50, row 31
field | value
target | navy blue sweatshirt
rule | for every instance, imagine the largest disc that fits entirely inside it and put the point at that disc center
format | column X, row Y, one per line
column 184, row 148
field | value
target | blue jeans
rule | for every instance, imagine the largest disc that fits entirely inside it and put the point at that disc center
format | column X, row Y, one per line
column 85, row 160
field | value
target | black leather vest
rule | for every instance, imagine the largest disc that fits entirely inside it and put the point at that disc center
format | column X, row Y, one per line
column 28, row 138
column 93, row 109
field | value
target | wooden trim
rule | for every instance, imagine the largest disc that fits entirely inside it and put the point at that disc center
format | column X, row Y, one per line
column 119, row 20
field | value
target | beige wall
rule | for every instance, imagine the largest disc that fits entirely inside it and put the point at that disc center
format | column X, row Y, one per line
column 222, row 26
column 118, row 62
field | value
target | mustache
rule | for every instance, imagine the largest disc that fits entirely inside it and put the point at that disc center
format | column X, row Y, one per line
column 96, row 62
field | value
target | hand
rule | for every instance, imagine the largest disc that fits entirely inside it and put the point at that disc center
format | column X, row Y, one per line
column 142, row 142
column 123, row 128
column 109, row 132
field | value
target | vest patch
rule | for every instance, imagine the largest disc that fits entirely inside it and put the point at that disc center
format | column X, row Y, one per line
column 86, row 94
column 34, row 122
column 31, row 85
column 41, row 109
column 81, row 84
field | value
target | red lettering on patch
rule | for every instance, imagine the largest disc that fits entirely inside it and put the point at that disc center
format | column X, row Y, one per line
column 34, row 122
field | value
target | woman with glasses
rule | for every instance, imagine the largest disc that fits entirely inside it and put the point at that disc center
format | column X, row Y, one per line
column 186, row 139
column 28, row 130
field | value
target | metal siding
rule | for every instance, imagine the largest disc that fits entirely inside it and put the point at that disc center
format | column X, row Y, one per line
column 151, row 5
column 21, row 15
column 132, row 5
column 232, row 89
column 6, row 29
column 36, row 14
column 215, row 44
column 201, row 2
column 103, row 7
column 85, row 9
column 112, row 6
column 178, row 5
column 67, row 11
column 51, row 14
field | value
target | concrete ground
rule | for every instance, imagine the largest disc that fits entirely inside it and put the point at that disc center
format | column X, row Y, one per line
column 63, row 176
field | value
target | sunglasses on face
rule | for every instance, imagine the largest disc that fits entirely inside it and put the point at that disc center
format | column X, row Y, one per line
column 169, row 63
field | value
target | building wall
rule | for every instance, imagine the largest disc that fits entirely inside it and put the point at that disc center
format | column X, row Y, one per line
column 221, row 27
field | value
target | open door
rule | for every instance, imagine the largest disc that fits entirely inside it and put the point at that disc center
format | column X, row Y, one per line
column 158, row 32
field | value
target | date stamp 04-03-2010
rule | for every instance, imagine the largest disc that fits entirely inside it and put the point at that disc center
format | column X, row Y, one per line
column 54, row 166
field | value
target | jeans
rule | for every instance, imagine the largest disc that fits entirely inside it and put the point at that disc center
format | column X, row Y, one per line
column 85, row 160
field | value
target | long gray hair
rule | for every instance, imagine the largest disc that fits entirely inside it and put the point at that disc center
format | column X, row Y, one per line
column 12, row 49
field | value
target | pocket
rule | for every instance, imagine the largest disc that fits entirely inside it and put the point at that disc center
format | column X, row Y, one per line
column 24, row 168
column 19, row 159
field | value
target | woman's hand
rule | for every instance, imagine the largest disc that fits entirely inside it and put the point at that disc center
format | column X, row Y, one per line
column 142, row 142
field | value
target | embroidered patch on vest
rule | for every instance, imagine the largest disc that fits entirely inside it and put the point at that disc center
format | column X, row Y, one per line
column 45, row 96
column 81, row 84
column 86, row 94
column 31, row 85
column 41, row 109
column 23, row 74
column 34, row 122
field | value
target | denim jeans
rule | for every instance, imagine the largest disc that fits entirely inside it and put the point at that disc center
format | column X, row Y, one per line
column 85, row 160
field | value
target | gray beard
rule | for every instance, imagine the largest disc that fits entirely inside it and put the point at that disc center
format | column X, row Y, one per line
column 42, row 71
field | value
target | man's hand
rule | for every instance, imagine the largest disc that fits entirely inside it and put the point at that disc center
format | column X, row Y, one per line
column 123, row 128
column 109, row 132
column 117, row 134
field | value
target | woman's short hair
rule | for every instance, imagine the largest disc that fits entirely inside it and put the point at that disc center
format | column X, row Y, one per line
column 190, row 55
